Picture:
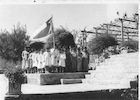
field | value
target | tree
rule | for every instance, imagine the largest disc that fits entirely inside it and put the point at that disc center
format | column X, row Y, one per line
column 131, row 44
column 96, row 45
column 63, row 39
column 12, row 44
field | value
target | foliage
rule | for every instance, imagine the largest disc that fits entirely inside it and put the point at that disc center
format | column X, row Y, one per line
column 12, row 44
column 5, row 64
column 15, row 75
column 63, row 39
column 37, row 45
column 130, row 44
column 97, row 44
column 130, row 94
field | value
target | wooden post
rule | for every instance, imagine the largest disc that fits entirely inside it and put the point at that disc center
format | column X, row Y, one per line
column 127, row 36
column 122, row 30
column 107, row 29
column 83, row 37
column 96, row 31
column 53, row 40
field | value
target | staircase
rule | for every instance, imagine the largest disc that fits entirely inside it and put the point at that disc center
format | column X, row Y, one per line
column 117, row 71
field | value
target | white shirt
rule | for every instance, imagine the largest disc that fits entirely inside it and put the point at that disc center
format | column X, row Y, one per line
column 62, row 59
column 47, row 58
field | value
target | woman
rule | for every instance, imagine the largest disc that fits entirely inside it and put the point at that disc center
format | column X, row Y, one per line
column 74, row 60
column 79, row 60
column 85, row 60
column 68, row 61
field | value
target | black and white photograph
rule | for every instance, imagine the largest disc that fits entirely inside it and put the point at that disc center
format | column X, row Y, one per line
column 66, row 50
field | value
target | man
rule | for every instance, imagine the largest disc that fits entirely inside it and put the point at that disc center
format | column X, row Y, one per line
column 25, row 55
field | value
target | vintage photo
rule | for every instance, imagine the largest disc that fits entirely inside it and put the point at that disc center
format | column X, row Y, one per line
column 69, row 51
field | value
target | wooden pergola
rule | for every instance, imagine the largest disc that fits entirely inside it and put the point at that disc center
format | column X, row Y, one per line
column 123, row 29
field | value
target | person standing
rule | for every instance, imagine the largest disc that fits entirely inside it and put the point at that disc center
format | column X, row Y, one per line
column 74, row 60
column 30, row 61
column 25, row 55
column 47, row 60
column 54, row 60
column 34, row 62
column 62, row 59
column 38, row 61
column 79, row 60
column 68, row 61
column 41, row 62
column 85, row 60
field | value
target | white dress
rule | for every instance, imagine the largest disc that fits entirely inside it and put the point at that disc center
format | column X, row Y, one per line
column 38, row 60
column 62, row 60
column 33, row 58
column 47, row 58
column 25, row 55
column 54, row 57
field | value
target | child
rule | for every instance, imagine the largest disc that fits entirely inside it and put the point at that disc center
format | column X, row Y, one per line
column 62, row 59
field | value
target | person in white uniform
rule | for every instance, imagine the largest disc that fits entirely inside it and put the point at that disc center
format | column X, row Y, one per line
column 25, row 55
column 40, row 62
column 62, row 59
column 47, row 60
column 34, row 62
column 54, row 60
column 30, row 61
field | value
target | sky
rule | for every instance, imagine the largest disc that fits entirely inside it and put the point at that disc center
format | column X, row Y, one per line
column 71, row 16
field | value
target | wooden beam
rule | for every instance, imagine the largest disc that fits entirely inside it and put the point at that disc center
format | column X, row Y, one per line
column 127, row 20
column 120, row 26
column 135, row 33
column 118, row 31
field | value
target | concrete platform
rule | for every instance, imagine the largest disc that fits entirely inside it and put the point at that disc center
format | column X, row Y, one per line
column 53, row 78
column 71, row 81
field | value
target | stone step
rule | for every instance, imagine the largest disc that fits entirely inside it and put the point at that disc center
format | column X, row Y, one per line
column 105, row 72
column 71, row 81
column 110, row 78
column 107, row 82
column 53, row 78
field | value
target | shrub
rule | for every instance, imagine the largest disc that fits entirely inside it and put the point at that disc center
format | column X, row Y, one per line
column 96, row 45
column 63, row 39
column 130, row 44
column 15, row 75
column 12, row 44
column 6, row 64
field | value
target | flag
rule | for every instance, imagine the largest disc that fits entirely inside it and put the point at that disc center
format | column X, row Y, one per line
column 46, row 31
column 51, row 31
column 50, row 23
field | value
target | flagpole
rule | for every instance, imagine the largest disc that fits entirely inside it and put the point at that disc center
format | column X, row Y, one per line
column 53, row 34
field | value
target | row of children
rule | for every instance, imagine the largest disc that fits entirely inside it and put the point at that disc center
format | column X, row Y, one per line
column 54, row 60
column 43, row 61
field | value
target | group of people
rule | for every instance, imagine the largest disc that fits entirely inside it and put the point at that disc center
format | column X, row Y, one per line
column 54, row 60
